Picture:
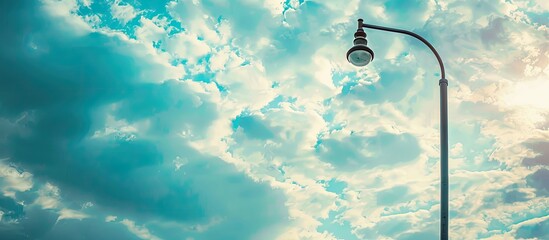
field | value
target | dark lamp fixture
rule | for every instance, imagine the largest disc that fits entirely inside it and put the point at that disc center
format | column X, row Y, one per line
column 360, row 54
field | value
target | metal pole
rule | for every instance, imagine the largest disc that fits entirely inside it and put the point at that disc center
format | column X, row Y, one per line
column 443, row 84
column 444, row 219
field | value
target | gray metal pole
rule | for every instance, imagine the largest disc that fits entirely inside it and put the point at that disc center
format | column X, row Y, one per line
column 443, row 84
column 444, row 218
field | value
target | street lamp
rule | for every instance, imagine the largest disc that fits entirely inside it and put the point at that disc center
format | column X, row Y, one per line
column 360, row 55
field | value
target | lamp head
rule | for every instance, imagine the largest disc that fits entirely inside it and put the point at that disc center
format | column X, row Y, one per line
column 360, row 54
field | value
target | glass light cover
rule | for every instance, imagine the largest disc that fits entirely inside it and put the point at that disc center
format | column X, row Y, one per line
column 360, row 58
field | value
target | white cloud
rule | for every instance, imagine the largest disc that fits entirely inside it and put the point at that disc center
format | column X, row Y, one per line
column 149, row 31
column 528, row 94
column 65, row 10
column 66, row 213
column 110, row 218
column 87, row 205
column 457, row 149
column 86, row 3
column 13, row 180
column 139, row 231
column 48, row 197
column 248, row 86
column 225, row 58
column 123, row 12
column 193, row 17
column 186, row 46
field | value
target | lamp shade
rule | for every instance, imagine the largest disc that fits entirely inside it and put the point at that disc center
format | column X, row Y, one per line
column 360, row 55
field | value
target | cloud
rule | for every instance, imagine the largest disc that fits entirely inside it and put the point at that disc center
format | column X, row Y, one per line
column 392, row 195
column 141, row 232
column 415, row 12
column 122, row 11
column 354, row 152
column 542, row 157
column 74, row 89
column 513, row 193
column 537, row 230
column 71, row 214
column 390, row 87
column 494, row 32
column 420, row 235
column 48, row 196
column 253, row 127
column 540, row 181
column 13, row 179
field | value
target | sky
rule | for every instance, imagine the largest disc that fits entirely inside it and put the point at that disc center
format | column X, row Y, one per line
column 218, row 119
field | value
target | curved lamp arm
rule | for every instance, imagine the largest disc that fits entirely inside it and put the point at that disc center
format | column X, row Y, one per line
column 440, row 63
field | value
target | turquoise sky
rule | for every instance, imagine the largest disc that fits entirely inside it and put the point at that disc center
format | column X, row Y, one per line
column 219, row 119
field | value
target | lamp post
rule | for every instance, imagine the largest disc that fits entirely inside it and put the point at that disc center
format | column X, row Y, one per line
column 360, row 55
